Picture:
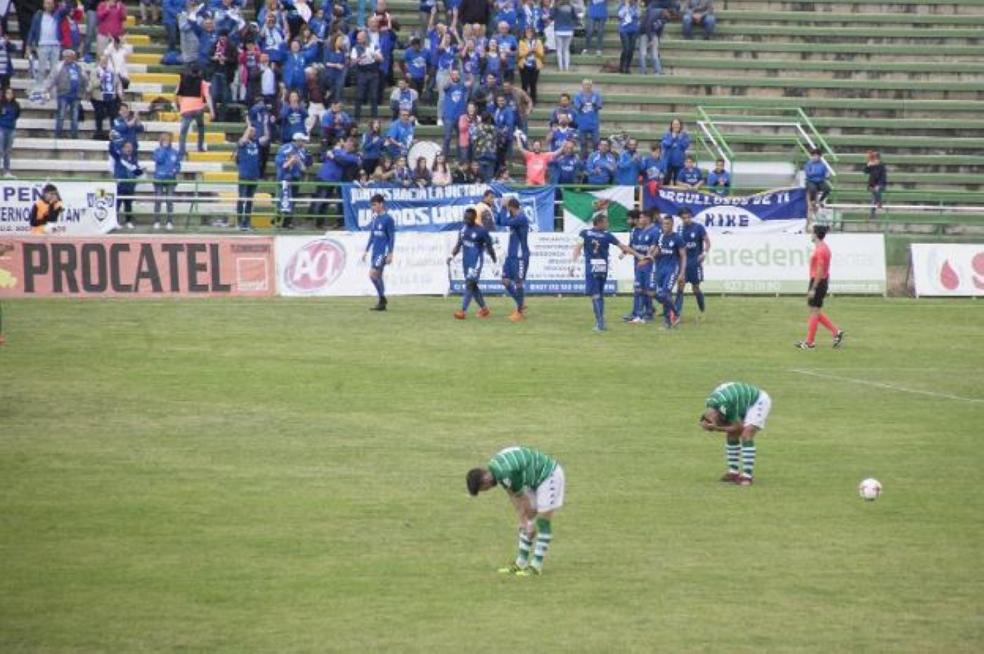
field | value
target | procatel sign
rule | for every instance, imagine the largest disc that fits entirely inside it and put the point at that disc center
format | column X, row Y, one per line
column 136, row 267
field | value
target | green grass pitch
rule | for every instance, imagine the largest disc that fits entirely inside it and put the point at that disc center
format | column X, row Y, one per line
column 281, row 476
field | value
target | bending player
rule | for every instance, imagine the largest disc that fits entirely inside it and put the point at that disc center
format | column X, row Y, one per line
column 641, row 240
column 698, row 245
column 671, row 260
column 517, row 257
column 739, row 410
column 819, row 279
column 382, row 237
column 534, row 482
column 473, row 242
column 594, row 242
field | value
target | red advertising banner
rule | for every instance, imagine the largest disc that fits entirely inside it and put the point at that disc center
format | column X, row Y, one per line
column 137, row 266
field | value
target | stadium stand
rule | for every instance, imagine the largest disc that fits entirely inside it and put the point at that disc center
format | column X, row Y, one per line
column 902, row 77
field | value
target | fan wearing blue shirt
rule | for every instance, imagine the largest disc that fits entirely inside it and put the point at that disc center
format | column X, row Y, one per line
column 292, row 161
column 587, row 108
column 454, row 106
column 167, row 165
column 671, row 260
column 698, row 244
column 690, row 177
column 382, row 238
column 594, row 244
column 629, row 165
column 719, row 179
column 601, row 165
column 676, row 142
column 248, row 157
column 399, row 135
column 566, row 168
column 653, row 166
column 815, row 171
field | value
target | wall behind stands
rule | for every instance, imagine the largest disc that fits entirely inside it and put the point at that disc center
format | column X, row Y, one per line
column 167, row 266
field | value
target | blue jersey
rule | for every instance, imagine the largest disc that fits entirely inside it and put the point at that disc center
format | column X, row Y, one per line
column 719, row 182
column 653, row 168
column 519, row 229
column 473, row 241
column 690, row 176
column 596, row 244
column 382, row 235
column 643, row 238
column 587, row 106
column 693, row 238
column 670, row 245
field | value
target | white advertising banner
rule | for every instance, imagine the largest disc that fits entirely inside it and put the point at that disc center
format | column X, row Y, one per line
column 779, row 263
column 948, row 269
column 332, row 265
column 89, row 207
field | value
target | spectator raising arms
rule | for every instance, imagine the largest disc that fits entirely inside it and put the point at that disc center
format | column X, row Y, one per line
column 675, row 144
column 536, row 161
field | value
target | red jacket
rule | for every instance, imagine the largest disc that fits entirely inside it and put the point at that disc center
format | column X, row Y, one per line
column 111, row 20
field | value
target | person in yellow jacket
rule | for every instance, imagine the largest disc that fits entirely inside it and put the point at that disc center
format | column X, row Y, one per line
column 531, row 54
column 46, row 210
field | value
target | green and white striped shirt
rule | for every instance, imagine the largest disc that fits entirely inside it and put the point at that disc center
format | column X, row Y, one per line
column 519, row 468
column 732, row 400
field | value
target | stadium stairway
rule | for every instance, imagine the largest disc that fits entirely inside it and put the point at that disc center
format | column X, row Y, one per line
column 903, row 77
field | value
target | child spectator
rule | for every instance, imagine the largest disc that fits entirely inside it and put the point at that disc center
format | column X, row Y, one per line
column 440, row 174
column 531, row 54
column 125, row 170
column 9, row 113
column 402, row 173
column 815, row 172
column 690, row 177
column 628, row 32
column 877, row 180
column 653, row 164
column 167, row 165
column 719, row 179
column 248, row 165
column 698, row 12
column 676, row 142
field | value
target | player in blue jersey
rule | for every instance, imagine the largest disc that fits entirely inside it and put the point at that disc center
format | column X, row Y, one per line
column 698, row 244
column 594, row 243
column 382, row 236
column 517, row 257
column 473, row 242
column 671, row 260
column 641, row 241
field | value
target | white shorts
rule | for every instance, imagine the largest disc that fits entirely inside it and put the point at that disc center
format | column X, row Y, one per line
column 549, row 496
column 758, row 412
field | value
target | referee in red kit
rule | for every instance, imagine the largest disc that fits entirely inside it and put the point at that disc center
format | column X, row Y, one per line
column 819, row 277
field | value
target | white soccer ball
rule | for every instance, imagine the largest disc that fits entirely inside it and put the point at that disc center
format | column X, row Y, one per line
column 869, row 489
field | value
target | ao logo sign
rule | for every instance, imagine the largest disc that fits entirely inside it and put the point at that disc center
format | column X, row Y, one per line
column 315, row 266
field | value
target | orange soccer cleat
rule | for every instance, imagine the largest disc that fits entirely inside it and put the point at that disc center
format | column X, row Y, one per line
column 516, row 316
column 460, row 315
column 484, row 312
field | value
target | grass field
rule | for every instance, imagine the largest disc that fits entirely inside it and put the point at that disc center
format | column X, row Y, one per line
column 279, row 476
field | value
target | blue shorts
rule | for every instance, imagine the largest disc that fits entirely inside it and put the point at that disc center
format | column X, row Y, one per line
column 378, row 261
column 643, row 279
column 595, row 284
column 515, row 268
column 665, row 279
column 695, row 273
column 473, row 269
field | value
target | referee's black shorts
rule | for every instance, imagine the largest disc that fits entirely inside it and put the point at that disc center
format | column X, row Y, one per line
column 820, row 292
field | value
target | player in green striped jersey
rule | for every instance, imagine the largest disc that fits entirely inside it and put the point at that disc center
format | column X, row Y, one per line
column 534, row 482
column 739, row 410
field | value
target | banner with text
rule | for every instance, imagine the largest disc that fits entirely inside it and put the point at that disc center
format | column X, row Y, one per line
column 89, row 207
column 333, row 265
column 779, row 210
column 779, row 263
column 136, row 267
column 442, row 208
column 948, row 269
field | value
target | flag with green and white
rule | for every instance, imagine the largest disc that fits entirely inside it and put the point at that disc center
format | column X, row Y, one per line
column 580, row 206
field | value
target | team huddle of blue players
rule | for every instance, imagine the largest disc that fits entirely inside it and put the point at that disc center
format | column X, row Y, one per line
column 665, row 259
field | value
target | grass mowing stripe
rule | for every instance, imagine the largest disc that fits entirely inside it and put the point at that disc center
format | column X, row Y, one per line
column 890, row 387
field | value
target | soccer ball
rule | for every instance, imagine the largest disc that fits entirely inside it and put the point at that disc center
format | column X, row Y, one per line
column 869, row 489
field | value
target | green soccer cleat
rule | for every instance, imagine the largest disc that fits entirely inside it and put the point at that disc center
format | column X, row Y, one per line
column 529, row 571
column 511, row 569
